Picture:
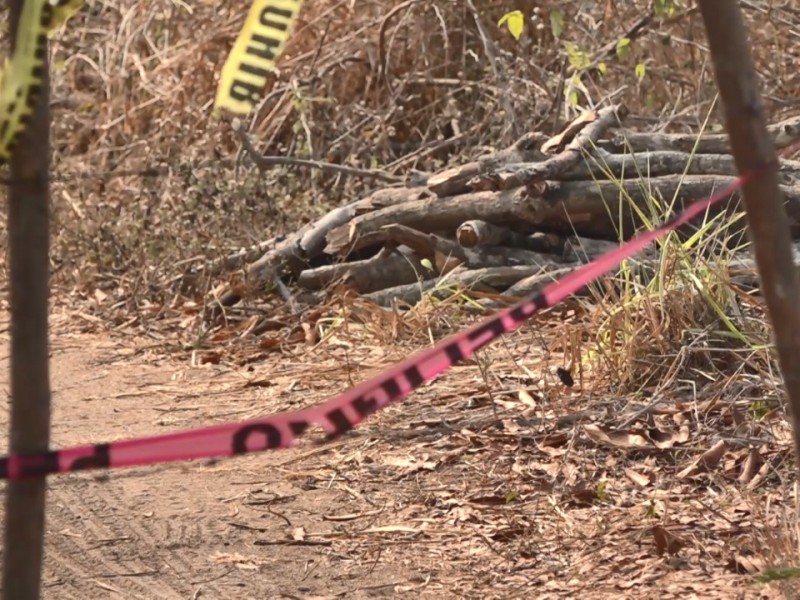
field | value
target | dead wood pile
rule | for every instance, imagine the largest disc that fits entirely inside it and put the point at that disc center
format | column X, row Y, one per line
column 504, row 224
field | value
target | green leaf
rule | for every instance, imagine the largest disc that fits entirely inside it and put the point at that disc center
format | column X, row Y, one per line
column 623, row 48
column 780, row 573
column 602, row 68
column 601, row 491
column 664, row 8
column 556, row 23
column 640, row 71
column 573, row 98
column 759, row 409
column 578, row 59
column 426, row 262
column 515, row 21
column 650, row 102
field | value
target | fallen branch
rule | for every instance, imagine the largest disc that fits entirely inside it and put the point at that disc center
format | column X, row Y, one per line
column 434, row 214
column 389, row 268
column 602, row 165
column 311, row 242
column 583, row 143
column 453, row 181
column 446, row 254
column 783, row 134
column 480, row 279
column 293, row 254
column 263, row 163
column 480, row 233
column 527, row 286
column 536, row 205
column 584, row 208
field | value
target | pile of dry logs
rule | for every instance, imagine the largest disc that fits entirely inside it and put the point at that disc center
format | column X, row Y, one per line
column 506, row 223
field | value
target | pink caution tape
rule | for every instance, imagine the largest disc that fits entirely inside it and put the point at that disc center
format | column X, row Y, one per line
column 341, row 413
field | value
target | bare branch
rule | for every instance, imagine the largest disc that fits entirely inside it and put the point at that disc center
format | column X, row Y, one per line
column 265, row 162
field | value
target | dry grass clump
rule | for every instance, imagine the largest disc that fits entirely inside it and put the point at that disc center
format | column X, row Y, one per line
column 685, row 320
column 776, row 541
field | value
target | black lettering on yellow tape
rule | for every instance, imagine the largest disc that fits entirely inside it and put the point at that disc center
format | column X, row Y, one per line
column 261, row 41
column 21, row 77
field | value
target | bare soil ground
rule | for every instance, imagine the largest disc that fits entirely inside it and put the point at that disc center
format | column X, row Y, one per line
column 432, row 498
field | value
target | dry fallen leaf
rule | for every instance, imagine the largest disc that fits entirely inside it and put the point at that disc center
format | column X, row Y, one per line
column 638, row 478
column 464, row 514
column 707, row 461
column 268, row 342
column 763, row 472
column 552, row 444
column 750, row 466
column 668, row 439
column 496, row 500
column 411, row 464
column 746, row 564
column 558, row 142
column 310, row 334
column 263, row 382
column 507, row 404
column 616, row 438
column 507, row 534
column 666, row 541
column 526, row 398
column 583, row 495
column 212, row 358
column 223, row 336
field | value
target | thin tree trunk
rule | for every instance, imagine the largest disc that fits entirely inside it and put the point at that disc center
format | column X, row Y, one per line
column 28, row 206
column 752, row 148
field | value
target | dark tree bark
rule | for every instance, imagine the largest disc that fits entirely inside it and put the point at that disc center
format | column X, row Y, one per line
column 783, row 134
column 752, row 148
column 28, row 208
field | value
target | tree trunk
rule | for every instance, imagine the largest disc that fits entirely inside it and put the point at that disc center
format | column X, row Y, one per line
column 28, row 206
column 752, row 149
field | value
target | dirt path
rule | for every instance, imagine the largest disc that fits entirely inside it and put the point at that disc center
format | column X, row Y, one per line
column 186, row 531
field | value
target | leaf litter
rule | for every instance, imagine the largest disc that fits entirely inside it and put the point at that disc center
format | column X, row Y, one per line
column 552, row 495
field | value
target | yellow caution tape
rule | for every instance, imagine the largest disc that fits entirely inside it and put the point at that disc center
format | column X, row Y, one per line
column 261, row 41
column 21, row 78
column 244, row 76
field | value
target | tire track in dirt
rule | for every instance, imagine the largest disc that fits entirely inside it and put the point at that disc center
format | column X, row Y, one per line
column 132, row 534
column 96, row 546
column 156, row 536
column 82, row 572
column 178, row 531
column 107, row 547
